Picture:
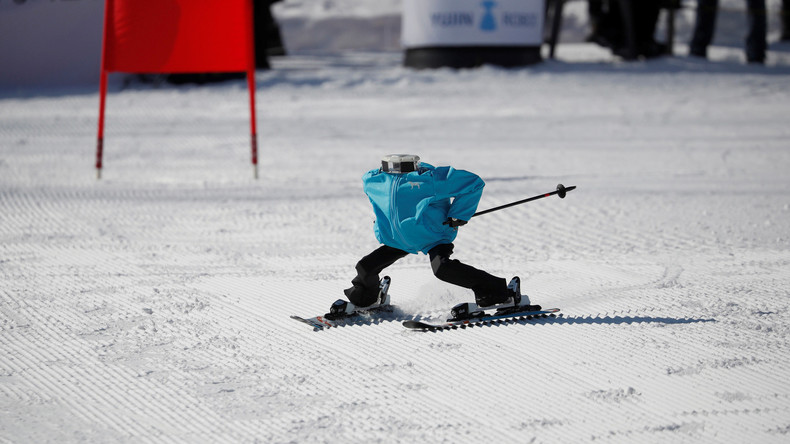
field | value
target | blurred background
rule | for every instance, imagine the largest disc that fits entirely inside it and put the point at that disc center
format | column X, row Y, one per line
column 58, row 42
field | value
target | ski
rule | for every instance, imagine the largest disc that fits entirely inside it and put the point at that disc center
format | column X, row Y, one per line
column 483, row 319
column 361, row 317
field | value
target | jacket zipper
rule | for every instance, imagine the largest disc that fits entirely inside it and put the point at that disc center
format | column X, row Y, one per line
column 394, row 210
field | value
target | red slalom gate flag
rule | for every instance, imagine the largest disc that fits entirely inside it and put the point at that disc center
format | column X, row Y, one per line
column 178, row 36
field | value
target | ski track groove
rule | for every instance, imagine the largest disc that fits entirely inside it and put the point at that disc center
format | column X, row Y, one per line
column 48, row 381
column 336, row 354
column 95, row 400
column 127, row 429
column 363, row 343
column 358, row 345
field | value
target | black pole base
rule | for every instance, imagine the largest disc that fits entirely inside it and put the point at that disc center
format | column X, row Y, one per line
column 472, row 56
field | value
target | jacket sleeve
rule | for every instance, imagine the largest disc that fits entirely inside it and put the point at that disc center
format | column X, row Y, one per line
column 463, row 187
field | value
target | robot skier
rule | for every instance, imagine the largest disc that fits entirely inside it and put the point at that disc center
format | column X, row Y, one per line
column 418, row 209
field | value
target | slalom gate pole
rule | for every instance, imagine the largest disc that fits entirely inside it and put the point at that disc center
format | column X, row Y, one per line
column 561, row 191
column 250, row 37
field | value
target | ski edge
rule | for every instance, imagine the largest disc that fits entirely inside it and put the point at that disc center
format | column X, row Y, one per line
column 485, row 320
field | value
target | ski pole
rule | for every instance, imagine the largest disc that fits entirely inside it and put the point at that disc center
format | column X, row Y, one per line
column 561, row 191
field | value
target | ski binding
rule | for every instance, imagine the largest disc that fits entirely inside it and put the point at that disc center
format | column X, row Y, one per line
column 338, row 316
column 358, row 317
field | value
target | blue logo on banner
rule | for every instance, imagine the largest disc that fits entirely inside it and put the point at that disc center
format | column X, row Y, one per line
column 489, row 22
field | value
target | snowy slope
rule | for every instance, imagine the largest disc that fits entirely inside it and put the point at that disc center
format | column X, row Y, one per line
column 152, row 306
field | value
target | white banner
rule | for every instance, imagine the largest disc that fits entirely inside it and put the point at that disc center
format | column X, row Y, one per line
column 472, row 23
column 52, row 43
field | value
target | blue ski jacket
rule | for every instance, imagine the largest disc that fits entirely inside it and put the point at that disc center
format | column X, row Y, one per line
column 410, row 208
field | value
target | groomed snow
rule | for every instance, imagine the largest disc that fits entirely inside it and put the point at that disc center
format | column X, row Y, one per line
column 153, row 305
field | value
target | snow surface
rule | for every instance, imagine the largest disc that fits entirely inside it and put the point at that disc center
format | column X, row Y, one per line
column 153, row 305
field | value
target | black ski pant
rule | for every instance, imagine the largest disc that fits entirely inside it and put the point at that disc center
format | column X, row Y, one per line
column 488, row 289
column 785, row 14
column 705, row 26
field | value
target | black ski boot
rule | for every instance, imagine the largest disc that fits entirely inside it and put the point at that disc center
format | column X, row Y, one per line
column 342, row 308
column 468, row 310
column 514, row 287
column 520, row 301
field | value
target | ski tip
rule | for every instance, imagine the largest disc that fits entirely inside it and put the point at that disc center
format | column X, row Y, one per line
column 311, row 322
